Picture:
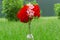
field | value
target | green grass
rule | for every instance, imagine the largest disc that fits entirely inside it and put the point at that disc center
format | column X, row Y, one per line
column 44, row 28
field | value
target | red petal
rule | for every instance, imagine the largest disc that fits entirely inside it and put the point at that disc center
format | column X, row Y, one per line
column 37, row 11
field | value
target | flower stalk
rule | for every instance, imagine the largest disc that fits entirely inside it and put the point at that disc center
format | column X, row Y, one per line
column 29, row 27
column 30, row 36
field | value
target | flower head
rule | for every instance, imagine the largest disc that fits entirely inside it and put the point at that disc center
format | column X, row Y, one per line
column 27, row 12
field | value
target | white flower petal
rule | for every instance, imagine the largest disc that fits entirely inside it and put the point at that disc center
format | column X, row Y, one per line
column 30, row 6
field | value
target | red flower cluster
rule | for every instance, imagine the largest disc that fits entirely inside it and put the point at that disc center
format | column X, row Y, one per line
column 24, row 16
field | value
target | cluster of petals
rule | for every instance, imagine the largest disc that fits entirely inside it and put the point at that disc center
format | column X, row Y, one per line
column 27, row 12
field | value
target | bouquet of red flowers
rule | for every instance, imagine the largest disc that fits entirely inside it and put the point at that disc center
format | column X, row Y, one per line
column 27, row 13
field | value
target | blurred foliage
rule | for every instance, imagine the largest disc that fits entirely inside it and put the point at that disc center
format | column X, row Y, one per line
column 44, row 28
column 57, row 9
column 10, row 8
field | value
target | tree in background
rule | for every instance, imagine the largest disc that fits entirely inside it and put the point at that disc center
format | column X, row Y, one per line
column 10, row 8
column 57, row 9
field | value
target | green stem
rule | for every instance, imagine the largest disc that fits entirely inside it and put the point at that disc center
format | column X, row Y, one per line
column 29, row 27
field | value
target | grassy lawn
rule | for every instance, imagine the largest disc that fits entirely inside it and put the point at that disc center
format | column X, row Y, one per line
column 44, row 28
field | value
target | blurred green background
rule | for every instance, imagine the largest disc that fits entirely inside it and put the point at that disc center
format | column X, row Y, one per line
column 47, row 27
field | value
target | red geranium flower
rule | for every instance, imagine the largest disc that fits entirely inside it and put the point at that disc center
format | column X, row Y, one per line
column 27, row 12
column 37, row 11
